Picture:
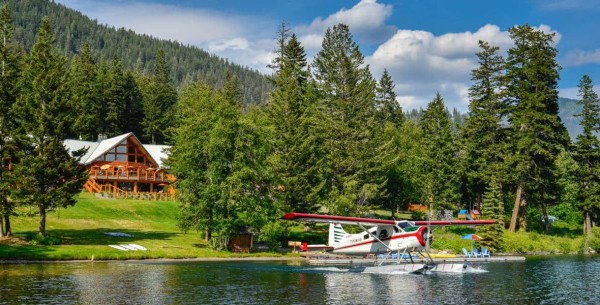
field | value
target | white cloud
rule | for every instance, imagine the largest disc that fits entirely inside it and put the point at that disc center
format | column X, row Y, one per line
column 364, row 16
column 237, row 37
column 366, row 19
column 573, row 92
column 422, row 64
column 578, row 57
column 230, row 44
column 186, row 25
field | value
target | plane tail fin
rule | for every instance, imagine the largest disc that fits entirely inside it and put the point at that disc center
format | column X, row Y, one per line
column 336, row 233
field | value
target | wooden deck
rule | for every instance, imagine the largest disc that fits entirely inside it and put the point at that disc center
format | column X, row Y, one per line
column 132, row 174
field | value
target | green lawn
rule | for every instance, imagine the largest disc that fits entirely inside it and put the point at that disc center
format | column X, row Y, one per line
column 81, row 230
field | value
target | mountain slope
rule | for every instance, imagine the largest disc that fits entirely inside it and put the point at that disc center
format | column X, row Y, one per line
column 567, row 109
column 188, row 63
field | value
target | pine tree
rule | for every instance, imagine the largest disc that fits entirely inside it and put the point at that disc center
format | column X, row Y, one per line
column 442, row 183
column 115, row 95
column 587, row 152
column 47, row 175
column 160, row 96
column 493, row 208
column 132, row 103
column 388, row 108
column 482, row 134
column 537, row 132
column 9, row 74
column 346, row 106
column 84, row 95
column 293, row 154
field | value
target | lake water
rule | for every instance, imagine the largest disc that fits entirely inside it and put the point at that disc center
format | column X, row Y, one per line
column 543, row 280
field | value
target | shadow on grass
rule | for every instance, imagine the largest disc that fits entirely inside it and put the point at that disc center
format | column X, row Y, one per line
column 97, row 237
column 23, row 252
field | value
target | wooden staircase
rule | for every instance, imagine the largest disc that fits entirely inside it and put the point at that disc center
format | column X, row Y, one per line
column 92, row 186
column 111, row 191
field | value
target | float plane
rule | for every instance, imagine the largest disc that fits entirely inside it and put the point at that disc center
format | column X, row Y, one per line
column 380, row 236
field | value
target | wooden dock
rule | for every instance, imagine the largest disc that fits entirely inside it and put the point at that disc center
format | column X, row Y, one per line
column 361, row 261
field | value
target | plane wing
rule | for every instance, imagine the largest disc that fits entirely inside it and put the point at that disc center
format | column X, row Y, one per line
column 454, row 222
column 376, row 222
column 337, row 219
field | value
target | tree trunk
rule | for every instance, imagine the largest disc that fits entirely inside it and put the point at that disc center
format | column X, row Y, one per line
column 1, row 226
column 208, row 235
column 42, row 222
column 545, row 216
column 587, row 229
column 515, row 213
column 8, row 230
column 523, row 214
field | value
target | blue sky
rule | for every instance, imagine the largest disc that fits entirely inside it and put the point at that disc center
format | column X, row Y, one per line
column 428, row 46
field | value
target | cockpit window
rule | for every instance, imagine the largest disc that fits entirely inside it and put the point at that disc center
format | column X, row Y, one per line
column 407, row 226
column 383, row 233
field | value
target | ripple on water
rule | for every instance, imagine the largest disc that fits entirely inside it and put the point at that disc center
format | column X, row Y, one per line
column 556, row 280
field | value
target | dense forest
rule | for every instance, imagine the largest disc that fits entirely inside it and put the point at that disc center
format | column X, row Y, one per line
column 331, row 137
column 137, row 52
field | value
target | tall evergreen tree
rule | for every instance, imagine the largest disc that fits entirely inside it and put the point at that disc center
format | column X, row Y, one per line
column 293, row 155
column 483, row 134
column 537, row 132
column 347, row 124
column 441, row 182
column 115, row 94
column 388, row 108
column 48, row 177
column 160, row 96
column 133, row 105
column 9, row 74
column 587, row 152
column 493, row 208
column 84, row 94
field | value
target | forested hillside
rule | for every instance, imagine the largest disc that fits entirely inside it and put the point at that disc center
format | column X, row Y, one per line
column 188, row 64
column 332, row 138
column 568, row 111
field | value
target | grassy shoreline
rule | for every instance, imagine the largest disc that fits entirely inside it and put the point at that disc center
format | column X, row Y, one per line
column 80, row 233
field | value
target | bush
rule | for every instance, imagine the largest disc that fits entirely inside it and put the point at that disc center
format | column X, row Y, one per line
column 595, row 240
column 48, row 240
column 272, row 234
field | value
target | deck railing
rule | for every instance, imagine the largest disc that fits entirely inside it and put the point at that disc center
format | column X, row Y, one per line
column 133, row 174
column 115, row 192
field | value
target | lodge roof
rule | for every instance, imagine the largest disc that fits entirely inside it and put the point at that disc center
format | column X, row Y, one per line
column 97, row 149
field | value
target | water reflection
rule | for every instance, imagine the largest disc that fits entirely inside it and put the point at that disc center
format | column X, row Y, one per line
column 566, row 280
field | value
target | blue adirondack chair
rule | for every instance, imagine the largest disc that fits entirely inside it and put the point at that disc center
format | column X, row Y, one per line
column 467, row 253
column 476, row 253
column 485, row 252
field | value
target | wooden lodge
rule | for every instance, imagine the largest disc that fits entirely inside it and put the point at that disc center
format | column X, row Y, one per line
column 123, row 167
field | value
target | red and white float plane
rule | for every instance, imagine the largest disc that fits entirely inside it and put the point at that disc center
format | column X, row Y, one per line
column 382, row 236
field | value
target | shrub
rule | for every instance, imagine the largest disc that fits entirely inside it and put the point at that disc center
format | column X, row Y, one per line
column 48, row 240
column 595, row 240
